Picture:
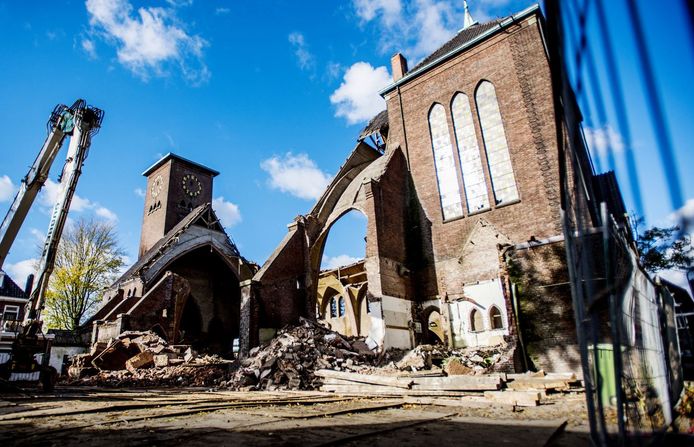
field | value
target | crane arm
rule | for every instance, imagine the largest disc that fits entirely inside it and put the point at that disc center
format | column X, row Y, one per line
column 59, row 125
column 87, row 122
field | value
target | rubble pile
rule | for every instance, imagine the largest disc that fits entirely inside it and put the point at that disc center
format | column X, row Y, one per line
column 291, row 359
column 463, row 361
column 145, row 359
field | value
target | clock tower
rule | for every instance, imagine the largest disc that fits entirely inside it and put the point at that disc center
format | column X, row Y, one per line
column 175, row 186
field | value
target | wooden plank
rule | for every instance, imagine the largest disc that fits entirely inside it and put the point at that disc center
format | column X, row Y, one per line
column 397, row 382
column 363, row 388
column 519, row 398
column 569, row 377
column 538, row 383
column 458, row 383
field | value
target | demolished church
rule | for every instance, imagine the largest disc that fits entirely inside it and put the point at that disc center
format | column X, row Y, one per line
column 459, row 181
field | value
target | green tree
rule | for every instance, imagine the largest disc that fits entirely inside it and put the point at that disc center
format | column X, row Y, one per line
column 664, row 248
column 88, row 260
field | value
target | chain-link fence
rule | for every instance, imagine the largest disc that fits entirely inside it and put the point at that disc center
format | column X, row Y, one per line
column 625, row 322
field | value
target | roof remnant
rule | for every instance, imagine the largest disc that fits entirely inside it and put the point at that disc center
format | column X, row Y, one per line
column 378, row 123
column 202, row 214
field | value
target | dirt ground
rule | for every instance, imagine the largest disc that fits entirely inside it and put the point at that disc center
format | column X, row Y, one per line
column 139, row 417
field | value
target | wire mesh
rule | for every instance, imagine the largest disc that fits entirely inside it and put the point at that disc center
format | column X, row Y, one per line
column 625, row 321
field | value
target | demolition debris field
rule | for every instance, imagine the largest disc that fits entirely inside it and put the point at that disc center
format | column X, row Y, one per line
column 82, row 415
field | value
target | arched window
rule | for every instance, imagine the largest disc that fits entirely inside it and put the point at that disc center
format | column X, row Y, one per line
column 444, row 162
column 469, row 152
column 333, row 308
column 495, row 318
column 476, row 321
column 498, row 157
column 341, row 307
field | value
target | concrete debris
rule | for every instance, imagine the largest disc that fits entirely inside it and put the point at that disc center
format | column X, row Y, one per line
column 291, row 359
column 145, row 359
column 309, row 357
column 458, row 361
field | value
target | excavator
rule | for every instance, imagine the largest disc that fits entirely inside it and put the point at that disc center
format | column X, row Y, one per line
column 80, row 122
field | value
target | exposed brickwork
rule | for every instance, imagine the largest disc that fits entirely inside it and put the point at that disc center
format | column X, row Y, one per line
column 536, row 214
column 546, row 312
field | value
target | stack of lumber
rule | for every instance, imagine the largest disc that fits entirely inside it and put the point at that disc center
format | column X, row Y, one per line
column 512, row 389
column 346, row 382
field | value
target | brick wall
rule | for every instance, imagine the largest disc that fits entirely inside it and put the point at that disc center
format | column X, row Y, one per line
column 515, row 62
column 546, row 315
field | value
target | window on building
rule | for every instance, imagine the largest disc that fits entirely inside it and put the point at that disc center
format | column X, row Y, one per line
column 333, row 308
column 469, row 152
column 341, row 307
column 495, row 318
column 476, row 321
column 10, row 313
column 498, row 157
column 444, row 162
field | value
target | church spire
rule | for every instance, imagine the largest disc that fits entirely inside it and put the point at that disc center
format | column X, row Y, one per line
column 468, row 21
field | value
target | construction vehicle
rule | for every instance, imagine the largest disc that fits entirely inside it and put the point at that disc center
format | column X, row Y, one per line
column 80, row 122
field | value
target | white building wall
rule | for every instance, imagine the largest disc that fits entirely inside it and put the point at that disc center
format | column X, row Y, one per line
column 482, row 297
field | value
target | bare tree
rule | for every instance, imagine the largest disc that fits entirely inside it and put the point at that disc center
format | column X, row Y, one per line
column 88, row 260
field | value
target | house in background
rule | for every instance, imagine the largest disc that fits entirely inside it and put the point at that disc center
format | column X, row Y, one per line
column 12, row 302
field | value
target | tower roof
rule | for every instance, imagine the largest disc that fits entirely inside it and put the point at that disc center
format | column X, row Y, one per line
column 172, row 156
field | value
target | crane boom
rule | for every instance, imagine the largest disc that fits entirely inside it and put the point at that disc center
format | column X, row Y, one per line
column 59, row 124
column 87, row 121
column 80, row 122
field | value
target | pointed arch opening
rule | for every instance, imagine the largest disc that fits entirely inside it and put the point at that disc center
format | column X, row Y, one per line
column 476, row 321
column 496, row 144
column 444, row 163
column 474, row 183
column 496, row 320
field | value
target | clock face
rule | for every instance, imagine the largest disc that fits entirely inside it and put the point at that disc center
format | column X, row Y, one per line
column 157, row 184
column 191, row 185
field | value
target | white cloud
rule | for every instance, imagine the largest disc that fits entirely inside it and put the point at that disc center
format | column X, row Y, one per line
column 437, row 23
column 357, row 98
column 89, row 48
column 38, row 234
column 139, row 192
column 687, row 211
column 151, row 41
column 415, row 28
column 297, row 175
column 106, row 214
column 228, row 213
column 304, row 58
column 389, row 10
column 602, row 139
column 684, row 218
column 7, row 189
column 179, row 3
column 19, row 271
column 222, row 11
column 333, row 70
column 332, row 262
column 51, row 193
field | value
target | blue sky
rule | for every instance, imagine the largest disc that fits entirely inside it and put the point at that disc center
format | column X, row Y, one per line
column 272, row 94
